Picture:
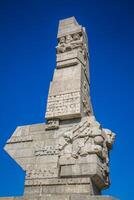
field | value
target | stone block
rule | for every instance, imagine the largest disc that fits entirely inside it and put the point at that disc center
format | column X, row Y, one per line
column 37, row 127
column 68, row 59
column 66, row 171
column 68, row 26
column 88, row 197
column 67, row 160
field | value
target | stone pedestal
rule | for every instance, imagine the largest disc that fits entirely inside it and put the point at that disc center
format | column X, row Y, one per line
column 61, row 197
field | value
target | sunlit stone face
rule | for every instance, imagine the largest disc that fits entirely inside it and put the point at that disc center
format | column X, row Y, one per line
column 68, row 157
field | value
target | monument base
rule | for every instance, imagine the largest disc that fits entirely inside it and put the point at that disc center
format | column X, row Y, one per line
column 61, row 197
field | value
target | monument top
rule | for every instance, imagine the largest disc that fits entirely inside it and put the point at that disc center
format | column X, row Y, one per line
column 68, row 26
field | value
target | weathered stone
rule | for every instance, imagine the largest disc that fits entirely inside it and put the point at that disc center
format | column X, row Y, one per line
column 68, row 157
column 61, row 197
column 52, row 124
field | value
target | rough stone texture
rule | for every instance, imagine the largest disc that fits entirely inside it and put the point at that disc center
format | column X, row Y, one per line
column 61, row 197
column 69, row 91
column 68, row 157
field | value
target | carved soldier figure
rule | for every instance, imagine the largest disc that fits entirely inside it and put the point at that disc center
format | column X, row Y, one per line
column 77, row 42
column 61, row 45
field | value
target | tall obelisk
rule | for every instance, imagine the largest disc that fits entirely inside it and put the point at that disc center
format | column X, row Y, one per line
column 69, row 91
column 68, row 157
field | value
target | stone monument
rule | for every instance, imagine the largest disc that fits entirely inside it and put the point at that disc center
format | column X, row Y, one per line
column 68, row 157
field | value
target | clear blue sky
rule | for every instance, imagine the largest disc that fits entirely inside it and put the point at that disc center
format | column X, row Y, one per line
column 28, row 31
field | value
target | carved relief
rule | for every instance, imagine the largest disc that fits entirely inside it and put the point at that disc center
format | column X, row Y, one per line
column 70, row 42
column 84, row 139
column 52, row 124
column 61, row 45
column 78, row 43
column 85, row 96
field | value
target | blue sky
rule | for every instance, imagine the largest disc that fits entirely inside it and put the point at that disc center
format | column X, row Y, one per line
column 28, row 32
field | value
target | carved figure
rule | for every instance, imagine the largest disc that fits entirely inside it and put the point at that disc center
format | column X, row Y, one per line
column 77, row 42
column 88, row 138
column 61, row 45
column 52, row 124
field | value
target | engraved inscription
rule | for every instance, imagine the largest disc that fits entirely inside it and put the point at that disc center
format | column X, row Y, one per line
column 57, row 181
column 42, row 173
column 63, row 104
column 47, row 150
